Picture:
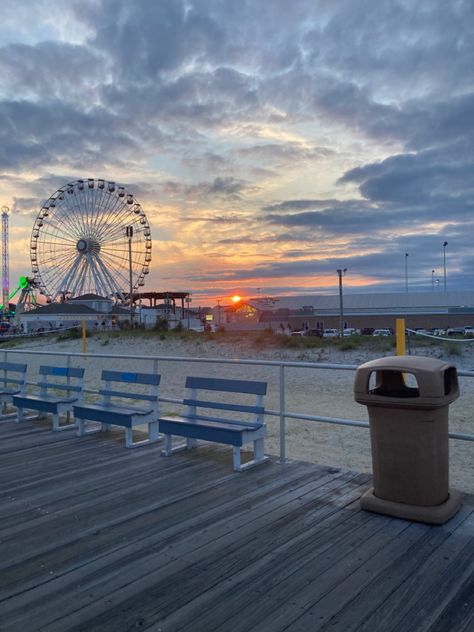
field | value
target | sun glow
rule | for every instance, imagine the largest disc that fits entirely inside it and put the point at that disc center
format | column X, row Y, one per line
column 236, row 299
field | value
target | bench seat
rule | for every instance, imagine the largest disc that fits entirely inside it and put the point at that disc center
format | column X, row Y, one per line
column 208, row 430
column 126, row 416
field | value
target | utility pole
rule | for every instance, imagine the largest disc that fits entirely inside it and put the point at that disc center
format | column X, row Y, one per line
column 406, row 272
column 444, row 263
column 129, row 234
column 340, row 273
column 5, row 262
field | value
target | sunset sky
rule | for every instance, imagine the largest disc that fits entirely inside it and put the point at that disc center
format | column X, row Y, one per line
column 269, row 142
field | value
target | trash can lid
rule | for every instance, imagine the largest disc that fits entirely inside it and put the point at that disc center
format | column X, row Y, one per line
column 437, row 383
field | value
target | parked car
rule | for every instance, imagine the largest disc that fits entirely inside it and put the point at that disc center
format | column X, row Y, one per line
column 438, row 332
column 367, row 331
column 469, row 331
column 299, row 332
column 315, row 332
column 351, row 331
column 382, row 332
column 331, row 333
column 455, row 331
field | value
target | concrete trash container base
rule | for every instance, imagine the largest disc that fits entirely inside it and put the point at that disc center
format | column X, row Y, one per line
column 437, row 514
column 409, row 436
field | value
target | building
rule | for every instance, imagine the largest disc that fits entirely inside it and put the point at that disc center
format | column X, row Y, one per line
column 318, row 311
column 97, row 311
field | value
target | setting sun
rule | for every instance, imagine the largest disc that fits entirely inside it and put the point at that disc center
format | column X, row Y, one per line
column 236, row 299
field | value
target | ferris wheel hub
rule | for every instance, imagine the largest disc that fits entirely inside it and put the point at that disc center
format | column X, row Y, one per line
column 88, row 246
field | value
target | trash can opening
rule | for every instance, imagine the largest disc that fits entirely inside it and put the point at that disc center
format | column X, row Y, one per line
column 450, row 381
column 389, row 383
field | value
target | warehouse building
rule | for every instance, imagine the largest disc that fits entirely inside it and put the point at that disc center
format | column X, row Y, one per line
column 377, row 310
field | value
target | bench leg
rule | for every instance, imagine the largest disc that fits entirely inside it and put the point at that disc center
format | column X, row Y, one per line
column 19, row 415
column 236, row 458
column 258, row 456
column 169, row 449
column 154, row 431
column 80, row 427
column 57, row 426
column 128, row 438
column 258, row 450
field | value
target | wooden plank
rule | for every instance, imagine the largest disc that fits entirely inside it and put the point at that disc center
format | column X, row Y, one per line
column 95, row 537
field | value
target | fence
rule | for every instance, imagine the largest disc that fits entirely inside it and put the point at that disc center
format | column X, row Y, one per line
column 282, row 367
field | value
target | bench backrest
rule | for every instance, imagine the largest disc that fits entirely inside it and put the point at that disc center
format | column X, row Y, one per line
column 19, row 370
column 51, row 374
column 254, row 412
column 152, row 380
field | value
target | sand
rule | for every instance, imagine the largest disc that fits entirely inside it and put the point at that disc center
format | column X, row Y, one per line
column 307, row 390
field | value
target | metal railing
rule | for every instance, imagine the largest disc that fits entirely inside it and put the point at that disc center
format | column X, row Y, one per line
column 282, row 414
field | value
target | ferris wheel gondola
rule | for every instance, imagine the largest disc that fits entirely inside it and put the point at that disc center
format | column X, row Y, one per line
column 80, row 244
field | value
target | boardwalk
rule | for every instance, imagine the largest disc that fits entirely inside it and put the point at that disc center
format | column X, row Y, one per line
column 96, row 537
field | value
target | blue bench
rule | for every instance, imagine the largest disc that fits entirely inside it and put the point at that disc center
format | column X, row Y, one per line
column 110, row 413
column 246, row 424
column 11, row 384
column 47, row 400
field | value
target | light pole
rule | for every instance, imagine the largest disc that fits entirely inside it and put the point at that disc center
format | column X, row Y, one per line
column 188, row 301
column 340, row 273
column 218, row 313
column 444, row 263
column 432, row 280
column 406, row 272
column 129, row 234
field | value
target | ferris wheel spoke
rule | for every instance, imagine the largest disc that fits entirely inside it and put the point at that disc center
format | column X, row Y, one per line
column 118, row 232
column 72, row 220
column 77, row 281
column 112, row 282
column 121, row 260
column 63, row 285
column 120, row 266
column 109, row 213
column 122, row 218
column 114, row 222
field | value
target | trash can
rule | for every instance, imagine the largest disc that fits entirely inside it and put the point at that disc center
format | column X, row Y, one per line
column 408, row 399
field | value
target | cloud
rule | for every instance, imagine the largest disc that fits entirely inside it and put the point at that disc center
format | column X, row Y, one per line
column 297, row 136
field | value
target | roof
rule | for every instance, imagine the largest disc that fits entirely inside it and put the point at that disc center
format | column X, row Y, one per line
column 60, row 308
column 435, row 301
column 89, row 297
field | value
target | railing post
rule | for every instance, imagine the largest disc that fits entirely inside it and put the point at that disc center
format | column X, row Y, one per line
column 282, row 415
column 400, row 336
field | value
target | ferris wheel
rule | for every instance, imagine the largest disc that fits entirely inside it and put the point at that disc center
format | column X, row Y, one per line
column 90, row 237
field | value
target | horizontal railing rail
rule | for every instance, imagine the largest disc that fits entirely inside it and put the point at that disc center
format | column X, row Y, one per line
column 281, row 413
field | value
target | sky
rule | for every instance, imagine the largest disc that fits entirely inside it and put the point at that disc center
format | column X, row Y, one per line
column 269, row 142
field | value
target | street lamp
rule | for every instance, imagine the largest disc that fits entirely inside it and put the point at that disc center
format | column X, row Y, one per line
column 444, row 263
column 406, row 272
column 129, row 234
column 432, row 280
column 340, row 273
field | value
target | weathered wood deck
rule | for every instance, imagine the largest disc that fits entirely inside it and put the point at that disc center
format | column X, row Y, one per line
column 96, row 537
